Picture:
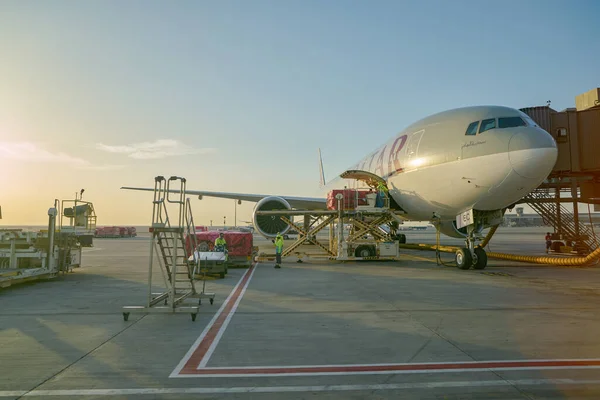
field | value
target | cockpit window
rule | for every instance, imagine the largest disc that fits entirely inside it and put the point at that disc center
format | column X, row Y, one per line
column 510, row 122
column 472, row 129
column 487, row 124
column 530, row 121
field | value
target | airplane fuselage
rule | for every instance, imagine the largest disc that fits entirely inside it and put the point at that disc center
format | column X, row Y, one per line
column 482, row 158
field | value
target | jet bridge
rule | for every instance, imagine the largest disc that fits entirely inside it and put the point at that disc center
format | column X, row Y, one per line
column 575, row 178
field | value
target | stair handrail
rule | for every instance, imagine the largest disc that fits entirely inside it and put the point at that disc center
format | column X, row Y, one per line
column 549, row 210
column 190, row 226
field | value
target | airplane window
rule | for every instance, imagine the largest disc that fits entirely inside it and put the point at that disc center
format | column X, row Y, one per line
column 510, row 122
column 472, row 129
column 529, row 120
column 487, row 124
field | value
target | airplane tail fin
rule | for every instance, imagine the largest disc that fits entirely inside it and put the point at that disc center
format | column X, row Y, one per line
column 321, row 172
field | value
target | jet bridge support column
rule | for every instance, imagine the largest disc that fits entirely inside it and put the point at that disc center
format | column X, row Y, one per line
column 575, row 207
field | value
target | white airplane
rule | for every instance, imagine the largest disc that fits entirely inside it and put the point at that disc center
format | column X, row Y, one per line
column 466, row 165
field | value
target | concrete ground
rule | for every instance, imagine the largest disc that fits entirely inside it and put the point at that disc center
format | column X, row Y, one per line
column 407, row 329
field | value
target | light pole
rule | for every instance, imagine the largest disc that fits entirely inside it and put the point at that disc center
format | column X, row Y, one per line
column 235, row 212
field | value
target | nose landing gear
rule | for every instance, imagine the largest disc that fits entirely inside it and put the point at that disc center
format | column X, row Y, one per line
column 471, row 255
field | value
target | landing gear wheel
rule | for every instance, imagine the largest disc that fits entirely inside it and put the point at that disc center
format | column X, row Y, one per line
column 482, row 259
column 464, row 260
column 212, row 301
column 125, row 316
column 194, row 317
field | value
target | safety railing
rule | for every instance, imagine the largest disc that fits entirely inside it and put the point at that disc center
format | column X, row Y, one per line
column 552, row 212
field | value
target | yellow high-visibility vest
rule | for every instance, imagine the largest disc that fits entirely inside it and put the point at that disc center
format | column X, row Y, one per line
column 382, row 187
column 279, row 243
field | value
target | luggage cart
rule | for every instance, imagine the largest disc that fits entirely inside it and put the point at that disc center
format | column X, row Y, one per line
column 203, row 270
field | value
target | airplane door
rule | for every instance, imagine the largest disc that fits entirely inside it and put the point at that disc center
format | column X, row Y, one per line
column 412, row 148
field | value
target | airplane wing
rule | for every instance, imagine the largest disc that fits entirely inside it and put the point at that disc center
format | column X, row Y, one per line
column 308, row 203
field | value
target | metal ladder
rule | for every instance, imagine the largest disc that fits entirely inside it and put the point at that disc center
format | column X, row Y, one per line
column 556, row 215
column 168, row 244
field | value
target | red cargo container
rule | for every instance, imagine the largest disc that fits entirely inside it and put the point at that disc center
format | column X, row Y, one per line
column 122, row 231
column 349, row 202
column 239, row 244
column 107, row 231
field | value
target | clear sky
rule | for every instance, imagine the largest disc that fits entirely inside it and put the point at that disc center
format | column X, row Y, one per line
column 238, row 95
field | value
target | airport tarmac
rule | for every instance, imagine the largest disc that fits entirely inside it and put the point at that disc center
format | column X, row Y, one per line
column 408, row 329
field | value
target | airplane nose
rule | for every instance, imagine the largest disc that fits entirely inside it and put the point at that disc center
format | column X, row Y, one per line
column 532, row 153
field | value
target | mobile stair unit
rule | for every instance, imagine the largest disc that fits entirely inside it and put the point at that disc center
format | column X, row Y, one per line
column 168, row 252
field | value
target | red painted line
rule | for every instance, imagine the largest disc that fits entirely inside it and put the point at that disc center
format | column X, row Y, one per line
column 393, row 367
column 191, row 366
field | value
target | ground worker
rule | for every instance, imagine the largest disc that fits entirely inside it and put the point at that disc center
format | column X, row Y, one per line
column 381, row 194
column 221, row 245
column 548, row 239
column 278, row 250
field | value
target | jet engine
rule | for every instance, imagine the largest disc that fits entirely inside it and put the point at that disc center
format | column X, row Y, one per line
column 269, row 225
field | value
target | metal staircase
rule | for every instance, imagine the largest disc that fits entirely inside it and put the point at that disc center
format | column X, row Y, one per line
column 168, row 244
column 545, row 203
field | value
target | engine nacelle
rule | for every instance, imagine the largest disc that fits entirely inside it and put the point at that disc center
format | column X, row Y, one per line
column 270, row 225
